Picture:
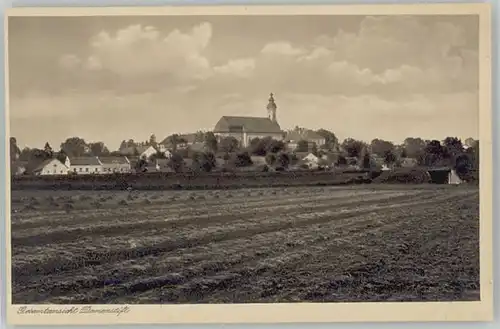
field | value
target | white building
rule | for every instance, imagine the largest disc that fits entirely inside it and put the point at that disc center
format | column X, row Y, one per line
column 51, row 167
column 85, row 165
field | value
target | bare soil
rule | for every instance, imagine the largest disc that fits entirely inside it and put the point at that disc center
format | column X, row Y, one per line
column 309, row 244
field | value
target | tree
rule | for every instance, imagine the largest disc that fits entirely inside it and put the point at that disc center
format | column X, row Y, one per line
column 48, row 150
column 353, row 147
column 341, row 160
column 61, row 156
column 35, row 154
column 274, row 146
column 389, row 157
column 314, row 149
column 15, row 152
column 199, row 137
column 469, row 142
column 452, row 148
column 141, row 165
column 366, row 160
column 414, row 147
column 123, row 145
column 331, row 141
column 203, row 161
column 229, row 144
column 433, row 153
column 25, row 154
column 380, row 146
column 302, row 146
column 157, row 155
column 241, row 159
column 176, row 162
column 131, row 143
column 271, row 159
column 152, row 141
column 98, row 149
column 283, row 160
column 211, row 141
column 74, row 146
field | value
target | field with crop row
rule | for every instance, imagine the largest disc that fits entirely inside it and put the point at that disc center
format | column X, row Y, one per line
column 358, row 243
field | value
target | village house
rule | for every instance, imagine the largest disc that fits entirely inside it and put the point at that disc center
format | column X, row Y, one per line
column 142, row 151
column 311, row 160
column 184, row 141
column 51, row 167
column 312, row 138
column 244, row 129
column 85, row 165
column 115, row 165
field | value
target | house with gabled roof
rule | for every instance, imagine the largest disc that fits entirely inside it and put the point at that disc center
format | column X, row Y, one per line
column 51, row 167
column 85, row 165
column 142, row 151
column 115, row 165
column 244, row 128
column 293, row 138
column 184, row 141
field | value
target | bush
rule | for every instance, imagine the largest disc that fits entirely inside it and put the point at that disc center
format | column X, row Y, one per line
column 410, row 176
column 241, row 160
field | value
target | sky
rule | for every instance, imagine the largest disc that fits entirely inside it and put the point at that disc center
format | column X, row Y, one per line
column 110, row 78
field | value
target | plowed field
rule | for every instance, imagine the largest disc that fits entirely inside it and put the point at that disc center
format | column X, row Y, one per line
column 375, row 243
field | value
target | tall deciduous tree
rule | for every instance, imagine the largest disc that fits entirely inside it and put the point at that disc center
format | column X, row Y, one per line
column 211, row 141
column 331, row 141
column 74, row 146
column 353, row 147
column 15, row 152
column 98, row 149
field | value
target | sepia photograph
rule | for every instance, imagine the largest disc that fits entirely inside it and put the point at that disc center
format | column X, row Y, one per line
column 266, row 157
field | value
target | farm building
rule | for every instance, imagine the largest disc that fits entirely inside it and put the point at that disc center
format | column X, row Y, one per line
column 115, row 165
column 184, row 141
column 146, row 151
column 312, row 138
column 244, row 129
column 142, row 151
column 311, row 161
column 85, row 165
column 51, row 167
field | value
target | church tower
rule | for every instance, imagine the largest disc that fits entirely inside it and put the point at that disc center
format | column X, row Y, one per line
column 271, row 108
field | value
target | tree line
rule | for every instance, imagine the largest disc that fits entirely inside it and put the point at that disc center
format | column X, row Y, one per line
column 449, row 152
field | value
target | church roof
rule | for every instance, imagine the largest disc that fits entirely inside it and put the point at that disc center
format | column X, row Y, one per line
column 250, row 124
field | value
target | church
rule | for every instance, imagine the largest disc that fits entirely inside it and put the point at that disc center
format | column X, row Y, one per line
column 244, row 129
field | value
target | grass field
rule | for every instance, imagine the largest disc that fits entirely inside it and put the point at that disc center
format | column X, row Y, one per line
column 359, row 243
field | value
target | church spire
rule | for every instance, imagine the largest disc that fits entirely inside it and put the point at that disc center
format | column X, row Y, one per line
column 271, row 108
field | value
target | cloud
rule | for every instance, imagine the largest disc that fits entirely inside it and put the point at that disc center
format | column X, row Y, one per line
column 388, row 54
column 396, row 70
column 242, row 68
column 138, row 50
column 69, row 61
column 281, row 48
